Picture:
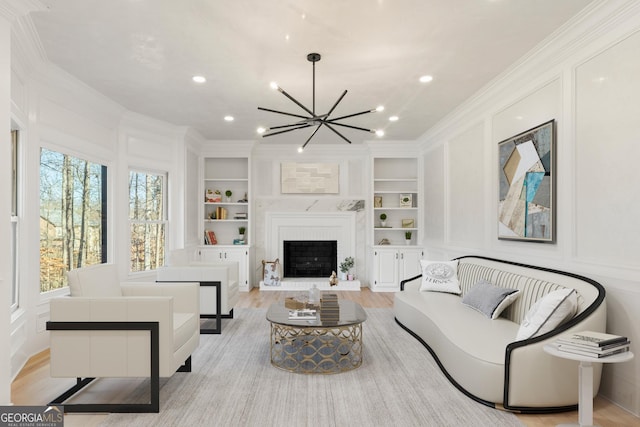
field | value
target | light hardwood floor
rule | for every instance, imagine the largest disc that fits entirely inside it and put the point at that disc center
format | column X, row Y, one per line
column 34, row 386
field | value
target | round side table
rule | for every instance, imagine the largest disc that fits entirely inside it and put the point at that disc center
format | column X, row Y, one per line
column 585, row 380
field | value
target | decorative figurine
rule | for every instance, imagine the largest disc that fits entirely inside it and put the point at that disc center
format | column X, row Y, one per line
column 333, row 279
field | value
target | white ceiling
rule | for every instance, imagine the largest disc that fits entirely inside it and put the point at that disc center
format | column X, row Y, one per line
column 143, row 53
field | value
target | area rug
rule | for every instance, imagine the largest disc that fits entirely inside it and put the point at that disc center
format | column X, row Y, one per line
column 234, row 384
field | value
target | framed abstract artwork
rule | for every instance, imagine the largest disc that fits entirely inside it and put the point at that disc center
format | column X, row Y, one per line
column 526, row 204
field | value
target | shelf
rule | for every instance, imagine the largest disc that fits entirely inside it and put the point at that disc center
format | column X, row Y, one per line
column 392, row 228
column 226, row 203
column 227, row 179
column 395, row 208
column 226, row 220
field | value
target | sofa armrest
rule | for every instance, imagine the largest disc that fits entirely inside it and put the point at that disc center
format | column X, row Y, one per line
column 186, row 296
column 404, row 282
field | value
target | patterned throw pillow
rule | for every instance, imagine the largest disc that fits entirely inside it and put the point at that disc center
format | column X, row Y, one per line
column 440, row 276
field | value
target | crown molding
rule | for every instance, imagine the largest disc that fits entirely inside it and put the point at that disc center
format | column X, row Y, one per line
column 595, row 25
column 12, row 9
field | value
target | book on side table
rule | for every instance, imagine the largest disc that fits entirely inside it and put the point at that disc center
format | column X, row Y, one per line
column 593, row 344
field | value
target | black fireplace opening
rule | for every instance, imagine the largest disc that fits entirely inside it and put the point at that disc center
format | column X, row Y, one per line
column 310, row 258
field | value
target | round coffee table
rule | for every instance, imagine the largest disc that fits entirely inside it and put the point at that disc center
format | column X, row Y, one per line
column 317, row 346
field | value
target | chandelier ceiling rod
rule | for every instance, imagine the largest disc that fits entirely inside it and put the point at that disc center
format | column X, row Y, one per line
column 314, row 119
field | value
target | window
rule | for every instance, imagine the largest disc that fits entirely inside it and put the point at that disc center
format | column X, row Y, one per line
column 72, row 216
column 14, row 220
column 147, row 218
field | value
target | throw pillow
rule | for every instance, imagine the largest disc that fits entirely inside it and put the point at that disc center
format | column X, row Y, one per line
column 488, row 299
column 548, row 312
column 440, row 276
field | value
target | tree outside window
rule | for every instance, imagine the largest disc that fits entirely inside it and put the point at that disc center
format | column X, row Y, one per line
column 72, row 216
column 147, row 218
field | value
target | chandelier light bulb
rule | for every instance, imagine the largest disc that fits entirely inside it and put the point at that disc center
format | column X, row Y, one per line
column 380, row 132
column 273, row 85
column 261, row 130
column 380, row 108
column 300, row 149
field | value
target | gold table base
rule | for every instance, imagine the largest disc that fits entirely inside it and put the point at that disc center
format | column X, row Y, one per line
column 316, row 349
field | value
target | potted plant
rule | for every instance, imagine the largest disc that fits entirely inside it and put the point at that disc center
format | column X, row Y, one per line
column 383, row 219
column 407, row 237
column 345, row 266
column 241, row 231
column 228, row 193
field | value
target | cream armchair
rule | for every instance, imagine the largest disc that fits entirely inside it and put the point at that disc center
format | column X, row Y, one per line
column 110, row 329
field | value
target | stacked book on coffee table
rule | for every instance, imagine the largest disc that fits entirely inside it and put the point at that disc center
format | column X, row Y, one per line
column 329, row 308
column 593, row 344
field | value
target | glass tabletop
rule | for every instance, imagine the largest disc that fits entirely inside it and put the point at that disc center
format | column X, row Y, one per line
column 350, row 313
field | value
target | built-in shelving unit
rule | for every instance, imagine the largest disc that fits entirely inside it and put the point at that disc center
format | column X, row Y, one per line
column 224, row 216
column 395, row 194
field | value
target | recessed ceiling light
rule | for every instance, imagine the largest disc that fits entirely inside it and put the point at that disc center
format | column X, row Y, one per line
column 393, row 118
column 228, row 118
column 426, row 79
column 199, row 79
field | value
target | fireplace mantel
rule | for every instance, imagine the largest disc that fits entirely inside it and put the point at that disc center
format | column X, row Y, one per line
column 338, row 226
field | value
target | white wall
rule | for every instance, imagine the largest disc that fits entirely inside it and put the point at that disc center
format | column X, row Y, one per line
column 586, row 78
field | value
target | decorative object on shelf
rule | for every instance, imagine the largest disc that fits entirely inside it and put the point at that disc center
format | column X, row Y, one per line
column 314, row 178
column 384, row 241
column 377, row 201
column 314, row 295
column 333, row 279
column 406, row 201
column 241, row 231
column 527, row 185
column 271, row 272
column 228, row 193
column 407, row 237
column 383, row 219
column 345, row 266
column 313, row 119
column 408, row 223
column 212, row 196
column 244, row 199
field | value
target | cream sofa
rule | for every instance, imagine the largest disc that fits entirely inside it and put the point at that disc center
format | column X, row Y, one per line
column 481, row 356
column 105, row 328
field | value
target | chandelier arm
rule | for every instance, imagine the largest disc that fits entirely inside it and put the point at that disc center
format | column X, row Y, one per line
column 350, row 126
column 284, row 92
column 351, row 115
column 336, row 104
column 286, row 130
column 336, row 132
column 282, row 112
column 312, row 135
column 288, row 126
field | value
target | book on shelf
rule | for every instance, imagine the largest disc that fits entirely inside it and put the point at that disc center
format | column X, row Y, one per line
column 568, row 348
column 302, row 314
column 210, row 237
column 221, row 213
column 592, row 339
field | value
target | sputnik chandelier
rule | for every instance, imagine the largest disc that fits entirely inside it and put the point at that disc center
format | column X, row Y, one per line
column 313, row 119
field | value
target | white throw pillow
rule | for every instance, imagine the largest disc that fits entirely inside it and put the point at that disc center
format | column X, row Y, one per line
column 548, row 312
column 440, row 276
column 488, row 299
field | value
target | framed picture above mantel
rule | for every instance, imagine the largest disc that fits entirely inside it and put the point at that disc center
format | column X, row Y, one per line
column 526, row 170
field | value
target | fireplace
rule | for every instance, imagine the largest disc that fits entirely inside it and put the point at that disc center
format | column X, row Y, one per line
column 309, row 258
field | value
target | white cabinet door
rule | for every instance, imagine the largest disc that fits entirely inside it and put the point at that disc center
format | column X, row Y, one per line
column 211, row 255
column 241, row 256
column 409, row 263
column 385, row 264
